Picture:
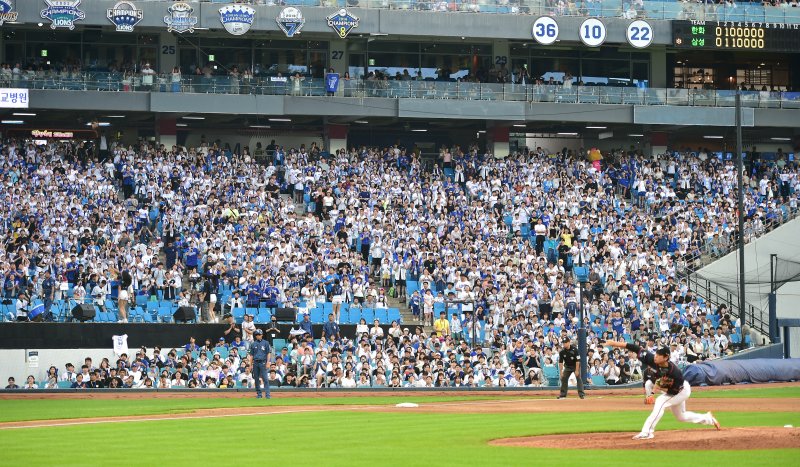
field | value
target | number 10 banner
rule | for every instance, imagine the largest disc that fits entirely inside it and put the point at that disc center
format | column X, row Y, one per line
column 592, row 32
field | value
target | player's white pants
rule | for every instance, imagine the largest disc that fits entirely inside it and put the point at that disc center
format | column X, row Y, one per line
column 678, row 405
column 648, row 387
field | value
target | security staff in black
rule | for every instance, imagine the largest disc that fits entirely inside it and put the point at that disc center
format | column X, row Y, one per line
column 260, row 356
column 569, row 363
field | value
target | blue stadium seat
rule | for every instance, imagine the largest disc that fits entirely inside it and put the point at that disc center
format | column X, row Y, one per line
column 394, row 315
column 598, row 380
column 165, row 314
column 238, row 314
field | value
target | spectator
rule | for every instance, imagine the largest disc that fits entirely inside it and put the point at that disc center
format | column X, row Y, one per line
column 11, row 383
column 30, row 383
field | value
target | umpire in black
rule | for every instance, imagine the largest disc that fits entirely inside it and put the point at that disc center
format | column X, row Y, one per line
column 260, row 355
column 569, row 363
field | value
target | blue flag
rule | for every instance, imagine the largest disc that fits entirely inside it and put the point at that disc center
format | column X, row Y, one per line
column 331, row 82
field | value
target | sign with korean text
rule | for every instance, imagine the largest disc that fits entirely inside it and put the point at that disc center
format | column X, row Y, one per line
column 13, row 98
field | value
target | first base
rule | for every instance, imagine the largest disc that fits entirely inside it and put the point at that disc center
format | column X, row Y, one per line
column 407, row 405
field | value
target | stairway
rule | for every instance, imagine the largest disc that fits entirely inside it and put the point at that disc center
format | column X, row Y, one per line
column 405, row 312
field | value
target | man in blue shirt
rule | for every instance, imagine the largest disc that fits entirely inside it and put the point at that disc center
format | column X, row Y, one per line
column 48, row 294
column 260, row 356
column 253, row 292
column 330, row 330
column 305, row 325
column 271, row 294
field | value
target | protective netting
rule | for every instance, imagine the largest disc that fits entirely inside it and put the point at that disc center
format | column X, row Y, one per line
column 786, row 271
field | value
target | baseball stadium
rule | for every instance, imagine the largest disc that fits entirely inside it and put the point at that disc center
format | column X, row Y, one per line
column 400, row 232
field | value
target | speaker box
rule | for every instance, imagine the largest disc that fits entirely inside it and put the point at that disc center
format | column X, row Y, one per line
column 83, row 312
column 184, row 314
column 286, row 314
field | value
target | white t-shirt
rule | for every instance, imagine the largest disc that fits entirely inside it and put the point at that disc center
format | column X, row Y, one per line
column 120, row 344
column 252, row 327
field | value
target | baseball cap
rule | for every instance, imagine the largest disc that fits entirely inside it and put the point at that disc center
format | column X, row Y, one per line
column 566, row 339
column 663, row 351
column 258, row 332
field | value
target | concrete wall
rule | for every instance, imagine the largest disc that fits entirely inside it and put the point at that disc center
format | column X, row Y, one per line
column 507, row 111
column 381, row 21
column 15, row 363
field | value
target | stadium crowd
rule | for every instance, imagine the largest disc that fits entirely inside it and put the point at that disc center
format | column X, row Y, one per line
column 375, row 359
column 502, row 235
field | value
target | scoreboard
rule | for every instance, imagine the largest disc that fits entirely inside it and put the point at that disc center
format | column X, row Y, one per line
column 728, row 35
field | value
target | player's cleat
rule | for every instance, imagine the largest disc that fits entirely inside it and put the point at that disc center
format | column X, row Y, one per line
column 258, row 396
column 582, row 396
column 649, row 400
column 644, row 436
column 715, row 422
column 561, row 397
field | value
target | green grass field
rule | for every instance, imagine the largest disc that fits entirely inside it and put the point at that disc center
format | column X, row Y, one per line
column 344, row 437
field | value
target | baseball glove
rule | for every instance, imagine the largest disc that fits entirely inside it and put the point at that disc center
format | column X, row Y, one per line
column 664, row 382
column 649, row 400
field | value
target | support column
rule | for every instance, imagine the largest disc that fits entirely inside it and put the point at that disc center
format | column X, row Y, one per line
column 338, row 57
column 166, row 131
column 335, row 137
column 501, row 52
column 658, row 143
column 167, row 53
column 658, row 68
column 497, row 141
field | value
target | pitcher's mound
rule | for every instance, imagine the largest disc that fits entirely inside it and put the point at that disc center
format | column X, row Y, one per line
column 689, row 440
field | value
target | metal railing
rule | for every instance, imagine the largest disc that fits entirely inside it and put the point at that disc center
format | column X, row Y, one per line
column 649, row 9
column 591, row 93
column 756, row 318
column 709, row 255
column 713, row 292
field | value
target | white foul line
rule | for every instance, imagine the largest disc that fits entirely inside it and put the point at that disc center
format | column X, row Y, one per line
column 44, row 424
column 155, row 419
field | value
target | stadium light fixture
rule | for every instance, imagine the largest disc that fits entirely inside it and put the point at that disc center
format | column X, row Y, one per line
column 520, row 126
column 713, row 137
column 634, row 135
column 280, row 119
column 115, row 116
column 260, row 126
column 567, row 133
column 193, row 118
column 23, row 114
column 12, row 122
column 181, row 124
column 596, row 127
column 98, row 124
column 773, row 139
column 419, row 130
column 361, row 121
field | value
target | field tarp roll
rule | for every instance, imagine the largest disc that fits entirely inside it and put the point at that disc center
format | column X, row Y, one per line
column 759, row 370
